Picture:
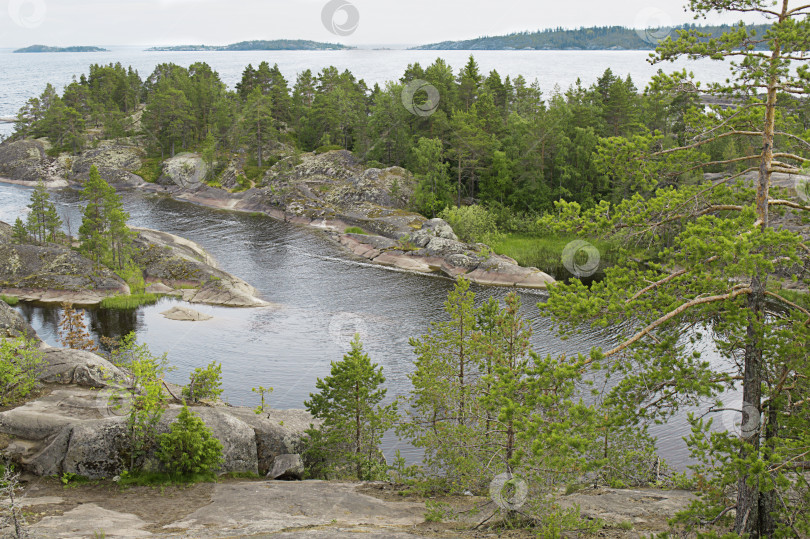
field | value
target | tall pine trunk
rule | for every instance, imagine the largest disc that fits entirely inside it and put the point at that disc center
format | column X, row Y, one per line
column 753, row 514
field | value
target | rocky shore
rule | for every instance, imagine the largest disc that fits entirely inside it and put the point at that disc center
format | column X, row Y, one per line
column 330, row 191
column 171, row 265
column 71, row 426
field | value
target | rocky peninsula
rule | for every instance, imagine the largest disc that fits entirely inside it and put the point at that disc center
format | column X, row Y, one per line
column 171, row 265
column 331, row 191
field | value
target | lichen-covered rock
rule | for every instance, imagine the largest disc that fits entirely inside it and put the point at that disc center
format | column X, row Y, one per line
column 25, row 161
column 66, row 366
column 278, row 432
column 186, row 170
column 115, row 162
column 53, row 273
column 79, row 430
column 175, row 261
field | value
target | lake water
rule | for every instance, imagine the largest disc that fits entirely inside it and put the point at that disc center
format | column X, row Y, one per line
column 323, row 293
column 324, row 296
column 25, row 75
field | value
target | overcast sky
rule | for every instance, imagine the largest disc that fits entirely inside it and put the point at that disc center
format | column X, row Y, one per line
column 394, row 22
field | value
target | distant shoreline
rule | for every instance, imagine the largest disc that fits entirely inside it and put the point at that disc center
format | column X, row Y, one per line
column 45, row 49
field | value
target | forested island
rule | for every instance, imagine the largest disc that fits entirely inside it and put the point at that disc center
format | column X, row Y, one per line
column 45, row 48
column 593, row 38
column 258, row 45
column 675, row 224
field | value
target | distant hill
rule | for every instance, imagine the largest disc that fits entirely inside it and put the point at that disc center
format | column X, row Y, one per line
column 595, row 38
column 273, row 45
column 45, row 48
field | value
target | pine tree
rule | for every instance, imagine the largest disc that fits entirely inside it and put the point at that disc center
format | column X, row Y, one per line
column 444, row 412
column 103, row 233
column 19, row 233
column 43, row 221
column 349, row 405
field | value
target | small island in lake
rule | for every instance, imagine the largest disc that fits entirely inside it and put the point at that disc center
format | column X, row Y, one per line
column 258, row 45
column 46, row 48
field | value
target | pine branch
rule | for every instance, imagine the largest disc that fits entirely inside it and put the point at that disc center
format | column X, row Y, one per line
column 672, row 314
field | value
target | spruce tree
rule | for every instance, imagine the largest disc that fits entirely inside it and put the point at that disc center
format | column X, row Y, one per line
column 19, row 232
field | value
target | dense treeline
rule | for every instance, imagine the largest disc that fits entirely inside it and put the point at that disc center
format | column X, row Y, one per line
column 496, row 140
column 592, row 38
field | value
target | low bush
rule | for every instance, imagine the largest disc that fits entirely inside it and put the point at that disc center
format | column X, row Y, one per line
column 190, row 446
column 472, row 224
column 20, row 365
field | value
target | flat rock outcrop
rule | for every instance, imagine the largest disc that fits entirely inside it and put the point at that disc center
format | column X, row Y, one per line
column 79, row 424
column 435, row 247
column 182, row 265
column 184, row 314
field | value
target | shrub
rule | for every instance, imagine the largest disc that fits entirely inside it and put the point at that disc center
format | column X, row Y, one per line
column 190, row 446
column 204, row 383
column 327, row 148
column 355, row 230
column 11, row 300
column 472, row 224
column 20, row 362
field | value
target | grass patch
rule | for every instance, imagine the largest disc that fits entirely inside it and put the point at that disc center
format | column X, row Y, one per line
column 545, row 253
column 11, row 300
column 150, row 169
column 129, row 302
column 356, row 230
column 153, row 479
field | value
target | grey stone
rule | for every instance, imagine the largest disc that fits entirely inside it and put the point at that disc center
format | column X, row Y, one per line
column 66, row 366
column 287, row 467
column 13, row 325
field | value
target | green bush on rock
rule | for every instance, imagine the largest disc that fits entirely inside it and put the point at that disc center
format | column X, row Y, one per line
column 19, row 369
column 190, row 446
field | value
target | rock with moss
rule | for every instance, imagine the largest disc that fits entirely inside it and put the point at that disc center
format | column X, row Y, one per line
column 116, row 162
column 55, row 274
column 27, row 162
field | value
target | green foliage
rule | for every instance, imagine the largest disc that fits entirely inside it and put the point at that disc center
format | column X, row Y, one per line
column 104, row 235
column 264, row 405
column 20, row 367
column 151, row 169
column 43, row 220
column 438, row 511
column 472, row 224
column 190, row 446
column 146, row 401
column 352, row 419
column 9, row 300
column 204, row 383
column 19, row 232
column 355, row 230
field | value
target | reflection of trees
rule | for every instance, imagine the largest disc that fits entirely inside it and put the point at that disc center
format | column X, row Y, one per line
column 113, row 323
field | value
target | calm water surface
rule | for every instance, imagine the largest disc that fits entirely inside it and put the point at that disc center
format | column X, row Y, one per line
column 323, row 297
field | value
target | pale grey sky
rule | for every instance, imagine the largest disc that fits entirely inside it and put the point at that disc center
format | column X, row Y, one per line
column 396, row 22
